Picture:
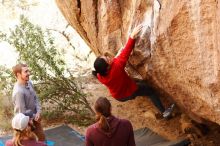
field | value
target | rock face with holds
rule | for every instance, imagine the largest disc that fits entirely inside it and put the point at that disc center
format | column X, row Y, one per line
column 177, row 51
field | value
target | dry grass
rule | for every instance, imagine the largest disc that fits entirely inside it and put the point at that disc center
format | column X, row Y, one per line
column 6, row 113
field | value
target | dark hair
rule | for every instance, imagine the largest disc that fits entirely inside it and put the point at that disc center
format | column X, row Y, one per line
column 103, row 110
column 17, row 68
column 101, row 66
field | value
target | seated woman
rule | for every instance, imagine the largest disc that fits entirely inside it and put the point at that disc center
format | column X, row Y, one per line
column 109, row 130
column 23, row 136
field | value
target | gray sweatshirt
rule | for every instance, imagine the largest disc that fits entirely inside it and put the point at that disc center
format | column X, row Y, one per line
column 25, row 99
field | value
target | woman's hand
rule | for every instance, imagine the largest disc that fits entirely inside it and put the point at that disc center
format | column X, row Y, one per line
column 135, row 31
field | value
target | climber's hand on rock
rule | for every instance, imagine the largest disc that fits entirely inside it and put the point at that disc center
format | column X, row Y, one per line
column 135, row 31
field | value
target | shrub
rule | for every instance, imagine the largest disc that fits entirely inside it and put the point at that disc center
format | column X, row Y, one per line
column 54, row 84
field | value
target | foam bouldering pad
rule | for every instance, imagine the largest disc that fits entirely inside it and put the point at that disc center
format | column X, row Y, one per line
column 65, row 136
column 58, row 136
column 146, row 137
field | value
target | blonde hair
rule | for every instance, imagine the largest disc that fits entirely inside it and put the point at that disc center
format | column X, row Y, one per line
column 20, row 135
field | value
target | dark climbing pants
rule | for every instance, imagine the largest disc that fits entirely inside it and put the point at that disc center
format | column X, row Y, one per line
column 145, row 90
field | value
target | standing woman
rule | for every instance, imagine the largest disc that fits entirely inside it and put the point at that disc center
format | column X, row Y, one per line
column 23, row 136
column 109, row 130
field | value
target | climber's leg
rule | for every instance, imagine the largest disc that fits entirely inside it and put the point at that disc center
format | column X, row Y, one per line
column 145, row 90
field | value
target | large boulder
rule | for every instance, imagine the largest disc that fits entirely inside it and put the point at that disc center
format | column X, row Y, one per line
column 177, row 51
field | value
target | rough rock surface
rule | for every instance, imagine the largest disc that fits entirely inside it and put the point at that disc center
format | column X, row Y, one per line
column 178, row 48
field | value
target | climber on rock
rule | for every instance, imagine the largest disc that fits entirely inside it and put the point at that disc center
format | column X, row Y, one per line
column 111, row 72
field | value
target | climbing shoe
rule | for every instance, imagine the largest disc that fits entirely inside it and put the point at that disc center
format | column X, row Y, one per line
column 168, row 112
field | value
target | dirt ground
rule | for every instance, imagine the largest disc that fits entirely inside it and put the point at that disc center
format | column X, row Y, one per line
column 142, row 113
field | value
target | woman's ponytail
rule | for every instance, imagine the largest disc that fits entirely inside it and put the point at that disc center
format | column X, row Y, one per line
column 103, row 123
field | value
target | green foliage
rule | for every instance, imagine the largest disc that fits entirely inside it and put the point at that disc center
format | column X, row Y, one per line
column 6, row 81
column 55, row 85
column 37, row 49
